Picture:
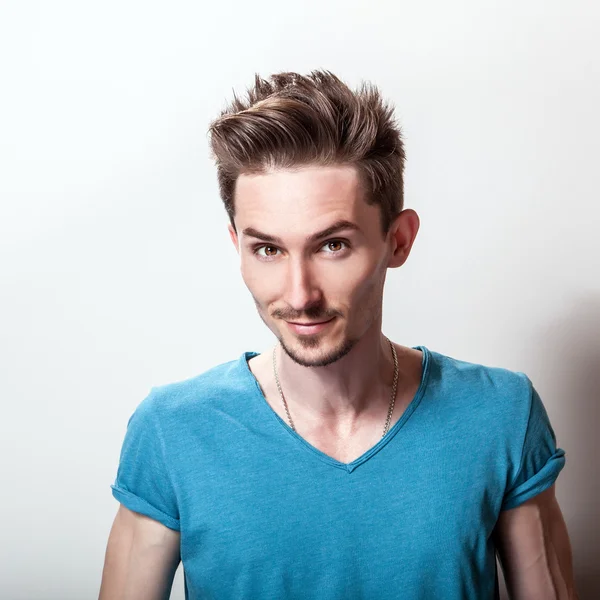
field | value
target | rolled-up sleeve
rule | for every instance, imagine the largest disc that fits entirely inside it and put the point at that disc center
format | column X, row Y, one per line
column 541, row 459
column 143, row 483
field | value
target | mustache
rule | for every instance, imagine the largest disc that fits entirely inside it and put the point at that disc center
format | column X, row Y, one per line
column 306, row 315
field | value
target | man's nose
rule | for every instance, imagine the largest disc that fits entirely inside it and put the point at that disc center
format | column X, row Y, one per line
column 302, row 290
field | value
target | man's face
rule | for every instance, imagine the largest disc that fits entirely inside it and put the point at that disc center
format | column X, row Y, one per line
column 295, row 276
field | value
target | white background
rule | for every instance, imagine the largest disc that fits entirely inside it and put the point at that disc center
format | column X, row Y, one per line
column 117, row 272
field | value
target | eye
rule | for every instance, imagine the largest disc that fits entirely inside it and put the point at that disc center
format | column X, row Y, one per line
column 267, row 252
column 335, row 246
column 270, row 251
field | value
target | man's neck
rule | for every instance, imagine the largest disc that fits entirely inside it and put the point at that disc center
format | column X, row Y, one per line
column 346, row 426
column 357, row 384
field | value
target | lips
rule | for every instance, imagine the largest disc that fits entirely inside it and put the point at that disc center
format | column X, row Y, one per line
column 307, row 324
column 309, row 328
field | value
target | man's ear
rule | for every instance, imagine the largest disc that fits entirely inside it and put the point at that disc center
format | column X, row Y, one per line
column 233, row 236
column 404, row 231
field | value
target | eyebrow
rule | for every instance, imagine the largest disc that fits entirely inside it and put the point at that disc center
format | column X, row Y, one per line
column 335, row 228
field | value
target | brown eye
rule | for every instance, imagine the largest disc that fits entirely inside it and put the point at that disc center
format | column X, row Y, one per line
column 269, row 251
column 335, row 246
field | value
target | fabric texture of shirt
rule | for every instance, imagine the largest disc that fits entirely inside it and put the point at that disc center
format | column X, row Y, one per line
column 263, row 514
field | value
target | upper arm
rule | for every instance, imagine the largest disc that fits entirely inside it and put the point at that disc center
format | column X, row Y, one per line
column 142, row 556
column 534, row 550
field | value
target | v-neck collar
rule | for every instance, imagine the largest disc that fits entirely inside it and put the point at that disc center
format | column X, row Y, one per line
column 349, row 467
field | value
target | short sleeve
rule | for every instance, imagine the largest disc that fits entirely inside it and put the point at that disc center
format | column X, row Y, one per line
column 541, row 460
column 143, row 483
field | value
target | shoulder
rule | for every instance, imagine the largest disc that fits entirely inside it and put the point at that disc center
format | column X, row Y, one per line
column 215, row 385
column 457, row 372
column 489, row 390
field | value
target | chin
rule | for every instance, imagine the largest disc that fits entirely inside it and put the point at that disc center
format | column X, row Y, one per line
column 314, row 351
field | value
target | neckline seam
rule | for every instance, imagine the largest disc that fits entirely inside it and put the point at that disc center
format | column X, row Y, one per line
column 379, row 445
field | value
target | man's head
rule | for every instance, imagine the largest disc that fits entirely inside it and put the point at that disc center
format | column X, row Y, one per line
column 311, row 175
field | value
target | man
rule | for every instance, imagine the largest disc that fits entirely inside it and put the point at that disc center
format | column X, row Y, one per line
column 337, row 465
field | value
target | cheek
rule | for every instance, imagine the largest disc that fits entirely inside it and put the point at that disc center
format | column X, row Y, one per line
column 366, row 291
column 350, row 292
column 259, row 282
column 354, row 280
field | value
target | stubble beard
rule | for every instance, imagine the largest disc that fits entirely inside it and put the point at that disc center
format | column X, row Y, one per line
column 312, row 342
column 322, row 361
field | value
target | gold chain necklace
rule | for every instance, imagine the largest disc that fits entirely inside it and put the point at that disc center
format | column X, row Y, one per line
column 392, row 400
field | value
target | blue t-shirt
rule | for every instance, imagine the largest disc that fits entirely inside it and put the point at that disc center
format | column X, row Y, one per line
column 263, row 514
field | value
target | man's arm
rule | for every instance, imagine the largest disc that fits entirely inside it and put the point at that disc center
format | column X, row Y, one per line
column 534, row 550
column 142, row 556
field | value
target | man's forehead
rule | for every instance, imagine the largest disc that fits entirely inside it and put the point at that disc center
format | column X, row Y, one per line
column 320, row 195
column 299, row 181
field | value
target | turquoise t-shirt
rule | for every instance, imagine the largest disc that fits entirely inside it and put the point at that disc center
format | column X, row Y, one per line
column 263, row 514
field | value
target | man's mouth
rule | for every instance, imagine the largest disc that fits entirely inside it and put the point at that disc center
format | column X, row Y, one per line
column 309, row 327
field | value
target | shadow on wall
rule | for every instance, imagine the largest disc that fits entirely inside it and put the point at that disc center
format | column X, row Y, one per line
column 569, row 358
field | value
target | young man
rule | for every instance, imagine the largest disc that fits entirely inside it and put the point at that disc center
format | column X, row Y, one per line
column 337, row 465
